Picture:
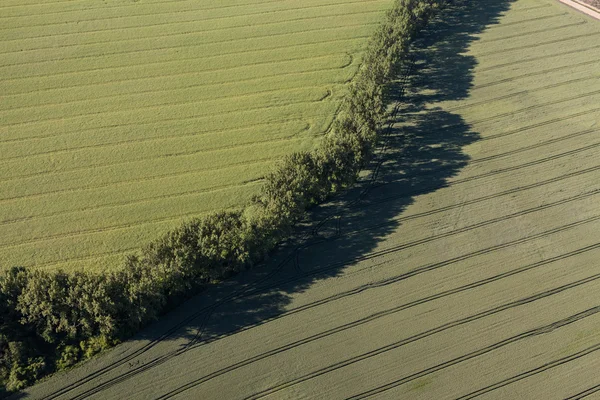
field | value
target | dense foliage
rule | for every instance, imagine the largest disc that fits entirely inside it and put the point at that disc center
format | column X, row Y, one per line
column 50, row 320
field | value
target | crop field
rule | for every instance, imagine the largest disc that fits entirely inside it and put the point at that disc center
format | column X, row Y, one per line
column 464, row 265
column 120, row 118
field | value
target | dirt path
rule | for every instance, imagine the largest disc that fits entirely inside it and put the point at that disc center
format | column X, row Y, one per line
column 589, row 7
column 464, row 265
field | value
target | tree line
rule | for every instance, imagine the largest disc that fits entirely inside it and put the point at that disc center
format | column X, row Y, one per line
column 51, row 320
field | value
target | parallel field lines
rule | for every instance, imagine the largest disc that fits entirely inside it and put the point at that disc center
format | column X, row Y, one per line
column 119, row 120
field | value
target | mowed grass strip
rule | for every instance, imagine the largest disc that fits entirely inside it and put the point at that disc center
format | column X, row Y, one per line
column 119, row 120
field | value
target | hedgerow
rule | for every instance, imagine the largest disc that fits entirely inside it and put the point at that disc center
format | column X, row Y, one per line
column 51, row 320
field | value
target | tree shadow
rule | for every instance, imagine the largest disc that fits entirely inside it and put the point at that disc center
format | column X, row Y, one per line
column 421, row 148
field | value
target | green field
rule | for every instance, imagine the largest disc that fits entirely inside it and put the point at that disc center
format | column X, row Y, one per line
column 120, row 118
column 466, row 269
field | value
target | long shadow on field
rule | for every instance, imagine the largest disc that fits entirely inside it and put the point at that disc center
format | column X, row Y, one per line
column 421, row 149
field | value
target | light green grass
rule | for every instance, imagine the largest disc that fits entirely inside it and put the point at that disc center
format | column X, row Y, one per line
column 121, row 118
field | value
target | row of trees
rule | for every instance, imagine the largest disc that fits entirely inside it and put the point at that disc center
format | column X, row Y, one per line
column 50, row 320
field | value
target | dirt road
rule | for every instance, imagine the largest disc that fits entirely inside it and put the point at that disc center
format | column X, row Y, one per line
column 588, row 7
column 466, row 264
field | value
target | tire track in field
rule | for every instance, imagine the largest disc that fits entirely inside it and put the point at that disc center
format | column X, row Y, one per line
column 585, row 393
column 160, row 77
column 540, row 124
column 173, row 137
column 120, row 227
column 519, row 130
column 289, row 137
column 113, row 126
column 536, row 45
column 200, row 72
column 424, row 190
column 533, row 107
column 185, row 33
column 132, row 202
column 354, row 323
column 53, row 172
column 518, row 10
column 405, row 245
column 498, row 171
column 521, row 93
column 119, row 6
column 164, row 106
column 246, row 14
column 467, row 202
column 161, row 106
column 534, row 146
column 161, row 157
column 107, row 7
column 391, row 281
column 483, row 86
column 524, row 60
column 138, row 180
column 293, row 92
column 151, row 178
column 155, row 177
column 193, row 86
column 535, row 371
column 137, row 201
column 75, row 190
column 520, row 35
column 392, row 346
column 62, row 171
column 523, row 21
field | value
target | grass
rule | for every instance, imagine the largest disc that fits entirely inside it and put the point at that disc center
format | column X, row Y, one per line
column 119, row 119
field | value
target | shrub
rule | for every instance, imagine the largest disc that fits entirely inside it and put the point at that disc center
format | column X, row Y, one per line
column 95, row 345
column 69, row 355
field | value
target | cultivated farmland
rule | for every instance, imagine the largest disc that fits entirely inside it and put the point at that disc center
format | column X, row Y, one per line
column 121, row 118
column 467, row 267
